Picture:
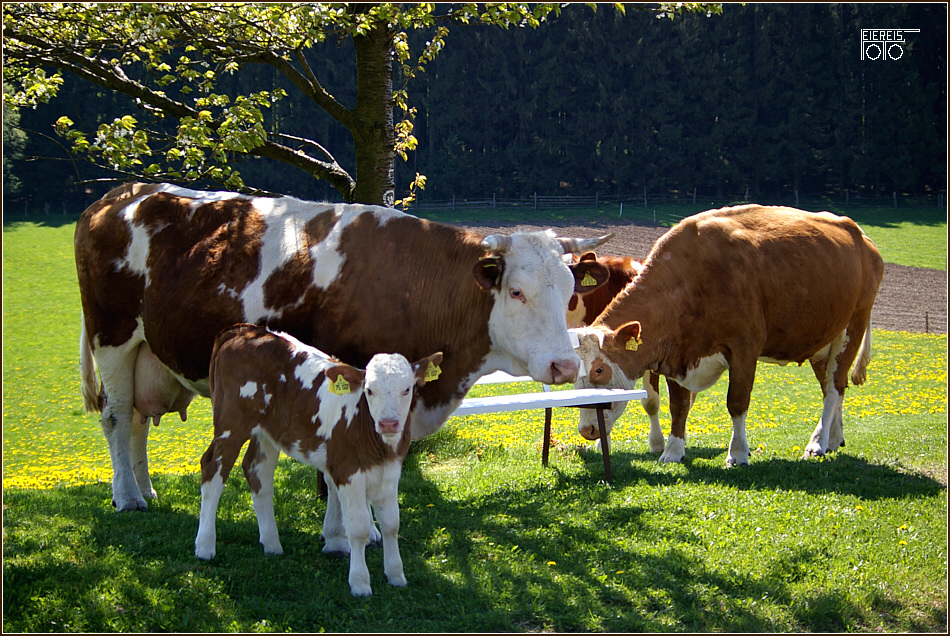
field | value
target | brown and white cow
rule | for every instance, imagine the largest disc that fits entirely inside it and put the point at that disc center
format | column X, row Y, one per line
column 583, row 310
column 726, row 288
column 173, row 267
column 282, row 395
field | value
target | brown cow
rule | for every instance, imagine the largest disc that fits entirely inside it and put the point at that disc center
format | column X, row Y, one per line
column 282, row 395
column 172, row 267
column 726, row 288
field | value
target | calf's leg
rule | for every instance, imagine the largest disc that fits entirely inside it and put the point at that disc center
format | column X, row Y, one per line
column 357, row 521
column 387, row 513
column 216, row 465
column 260, row 462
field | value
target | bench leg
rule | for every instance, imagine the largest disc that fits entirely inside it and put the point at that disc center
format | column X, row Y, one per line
column 604, row 444
column 547, row 437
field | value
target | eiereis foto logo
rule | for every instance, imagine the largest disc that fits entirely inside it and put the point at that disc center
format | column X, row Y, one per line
column 883, row 44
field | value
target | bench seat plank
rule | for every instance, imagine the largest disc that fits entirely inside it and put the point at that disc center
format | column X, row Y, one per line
column 548, row 399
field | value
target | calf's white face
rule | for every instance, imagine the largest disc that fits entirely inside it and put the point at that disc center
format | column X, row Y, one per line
column 388, row 386
column 601, row 373
column 528, row 320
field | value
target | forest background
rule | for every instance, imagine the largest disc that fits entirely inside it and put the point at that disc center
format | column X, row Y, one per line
column 761, row 101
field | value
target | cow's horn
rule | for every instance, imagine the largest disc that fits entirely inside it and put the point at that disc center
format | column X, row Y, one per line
column 578, row 245
column 496, row 242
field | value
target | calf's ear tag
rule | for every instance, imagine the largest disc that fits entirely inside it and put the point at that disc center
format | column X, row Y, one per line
column 633, row 344
column 588, row 280
column 340, row 386
column 433, row 372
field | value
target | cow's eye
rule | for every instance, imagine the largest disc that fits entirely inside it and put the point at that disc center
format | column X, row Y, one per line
column 406, row 392
column 516, row 293
column 598, row 370
column 369, row 392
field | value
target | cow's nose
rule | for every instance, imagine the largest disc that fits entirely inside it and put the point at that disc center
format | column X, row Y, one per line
column 589, row 432
column 387, row 426
column 564, row 370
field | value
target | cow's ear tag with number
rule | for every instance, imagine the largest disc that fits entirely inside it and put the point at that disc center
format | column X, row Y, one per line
column 633, row 344
column 433, row 372
column 340, row 386
column 588, row 280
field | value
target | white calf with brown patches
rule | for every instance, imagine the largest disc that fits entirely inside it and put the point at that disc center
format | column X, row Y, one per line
column 173, row 267
column 354, row 426
column 728, row 288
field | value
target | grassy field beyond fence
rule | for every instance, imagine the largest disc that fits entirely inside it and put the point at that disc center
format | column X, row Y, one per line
column 491, row 541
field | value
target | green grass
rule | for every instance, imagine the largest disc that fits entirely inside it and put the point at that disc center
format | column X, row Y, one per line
column 491, row 540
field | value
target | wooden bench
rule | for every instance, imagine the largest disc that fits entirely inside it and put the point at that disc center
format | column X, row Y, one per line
column 597, row 399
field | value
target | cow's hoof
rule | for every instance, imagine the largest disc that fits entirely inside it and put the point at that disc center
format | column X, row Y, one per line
column 813, row 450
column 131, row 504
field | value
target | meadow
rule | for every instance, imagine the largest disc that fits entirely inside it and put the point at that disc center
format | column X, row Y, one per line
column 856, row 541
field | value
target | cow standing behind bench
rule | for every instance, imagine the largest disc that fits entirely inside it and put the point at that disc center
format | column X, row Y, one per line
column 584, row 308
column 173, row 267
column 282, row 395
column 726, row 288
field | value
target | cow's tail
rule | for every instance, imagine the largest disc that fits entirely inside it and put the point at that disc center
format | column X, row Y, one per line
column 859, row 372
column 87, row 373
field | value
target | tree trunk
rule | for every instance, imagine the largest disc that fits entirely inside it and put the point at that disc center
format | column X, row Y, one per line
column 373, row 132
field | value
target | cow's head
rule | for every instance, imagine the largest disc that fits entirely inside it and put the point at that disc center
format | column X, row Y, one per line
column 389, row 386
column 601, row 351
column 532, row 286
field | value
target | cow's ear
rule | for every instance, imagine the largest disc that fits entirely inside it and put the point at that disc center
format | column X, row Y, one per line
column 488, row 272
column 427, row 369
column 344, row 379
column 588, row 256
column 588, row 275
column 629, row 336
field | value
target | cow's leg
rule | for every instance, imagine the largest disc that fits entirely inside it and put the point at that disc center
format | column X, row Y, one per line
column 333, row 533
column 738, row 397
column 357, row 522
column 681, row 399
column 387, row 513
column 651, row 406
column 216, row 465
column 140, row 427
column 260, row 462
column 829, row 372
column 116, row 370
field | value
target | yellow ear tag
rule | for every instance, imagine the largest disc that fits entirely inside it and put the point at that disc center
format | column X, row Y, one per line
column 588, row 280
column 341, row 386
column 633, row 344
column 433, row 372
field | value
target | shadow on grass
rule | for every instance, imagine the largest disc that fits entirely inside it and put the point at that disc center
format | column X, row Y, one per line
column 838, row 473
column 558, row 554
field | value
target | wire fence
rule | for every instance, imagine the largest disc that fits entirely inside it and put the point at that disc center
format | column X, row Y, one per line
column 641, row 205
column 644, row 200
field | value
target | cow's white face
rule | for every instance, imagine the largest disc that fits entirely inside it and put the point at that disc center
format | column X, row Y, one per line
column 388, row 386
column 601, row 373
column 528, row 321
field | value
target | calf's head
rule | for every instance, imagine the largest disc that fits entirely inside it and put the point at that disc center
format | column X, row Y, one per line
column 532, row 286
column 601, row 351
column 389, row 387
